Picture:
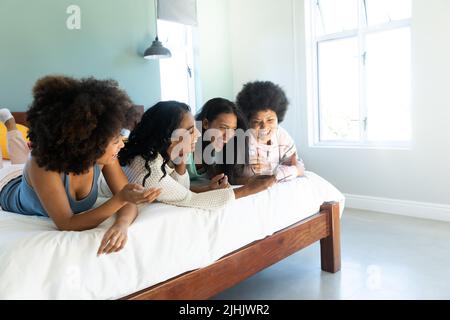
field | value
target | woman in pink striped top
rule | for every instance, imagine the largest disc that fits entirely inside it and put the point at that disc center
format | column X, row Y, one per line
column 271, row 148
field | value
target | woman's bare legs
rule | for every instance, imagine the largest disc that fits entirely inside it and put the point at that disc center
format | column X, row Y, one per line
column 17, row 147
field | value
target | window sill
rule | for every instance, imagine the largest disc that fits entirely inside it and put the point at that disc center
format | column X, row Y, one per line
column 375, row 146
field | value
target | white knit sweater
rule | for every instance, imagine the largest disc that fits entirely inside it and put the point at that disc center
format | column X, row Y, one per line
column 175, row 187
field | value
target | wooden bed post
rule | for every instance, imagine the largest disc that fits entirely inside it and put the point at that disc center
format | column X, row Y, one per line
column 330, row 247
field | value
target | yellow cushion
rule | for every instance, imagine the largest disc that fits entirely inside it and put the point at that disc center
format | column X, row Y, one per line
column 3, row 141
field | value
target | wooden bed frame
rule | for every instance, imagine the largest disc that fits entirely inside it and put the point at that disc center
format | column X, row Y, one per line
column 235, row 267
column 20, row 117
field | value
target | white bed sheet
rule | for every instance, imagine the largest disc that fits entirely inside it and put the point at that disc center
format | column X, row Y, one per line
column 39, row 262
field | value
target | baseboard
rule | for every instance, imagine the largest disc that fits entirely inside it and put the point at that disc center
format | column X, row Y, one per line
column 408, row 208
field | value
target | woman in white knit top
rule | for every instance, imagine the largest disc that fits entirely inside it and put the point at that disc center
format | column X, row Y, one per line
column 155, row 156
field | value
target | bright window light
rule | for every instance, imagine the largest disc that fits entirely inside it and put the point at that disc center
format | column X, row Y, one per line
column 176, row 73
column 361, row 78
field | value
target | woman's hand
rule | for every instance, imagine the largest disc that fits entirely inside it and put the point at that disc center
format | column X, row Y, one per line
column 254, row 185
column 219, row 182
column 135, row 193
column 260, row 183
column 261, row 166
column 114, row 239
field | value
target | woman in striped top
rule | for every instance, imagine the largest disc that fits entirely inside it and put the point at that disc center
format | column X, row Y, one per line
column 271, row 148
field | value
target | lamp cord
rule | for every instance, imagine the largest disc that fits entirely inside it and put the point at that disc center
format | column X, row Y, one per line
column 156, row 18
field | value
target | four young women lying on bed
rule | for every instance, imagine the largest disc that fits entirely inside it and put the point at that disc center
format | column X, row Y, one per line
column 75, row 133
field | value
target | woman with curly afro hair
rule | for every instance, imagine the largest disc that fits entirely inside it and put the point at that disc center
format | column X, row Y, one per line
column 74, row 132
column 271, row 150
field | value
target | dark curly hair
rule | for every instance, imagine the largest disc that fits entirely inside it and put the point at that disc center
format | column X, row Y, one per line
column 152, row 136
column 260, row 96
column 72, row 121
column 132, row 116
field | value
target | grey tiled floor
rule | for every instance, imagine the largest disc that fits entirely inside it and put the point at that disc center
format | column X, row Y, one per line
column 383, row 257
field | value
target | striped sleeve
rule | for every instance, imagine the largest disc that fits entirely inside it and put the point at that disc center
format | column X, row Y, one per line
column 173, row 192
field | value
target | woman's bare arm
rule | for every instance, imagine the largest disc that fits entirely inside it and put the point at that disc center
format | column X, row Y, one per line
column 50, row 190
column 116, row 180
column 293, row 161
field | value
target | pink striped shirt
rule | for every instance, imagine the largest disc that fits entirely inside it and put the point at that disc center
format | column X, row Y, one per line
column 274, row 155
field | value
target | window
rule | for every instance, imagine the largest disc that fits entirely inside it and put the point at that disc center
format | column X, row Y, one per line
column 176, row 73
column 360, row 71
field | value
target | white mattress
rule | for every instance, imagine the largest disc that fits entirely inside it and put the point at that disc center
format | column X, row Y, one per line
column 39, row 262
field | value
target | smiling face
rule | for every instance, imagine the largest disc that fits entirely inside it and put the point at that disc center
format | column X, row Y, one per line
column 184, row 138
column 264, row 124
column 112, row 150
column 226, row 125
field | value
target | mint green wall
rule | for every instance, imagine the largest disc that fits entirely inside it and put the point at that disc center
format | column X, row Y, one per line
column 34, row 41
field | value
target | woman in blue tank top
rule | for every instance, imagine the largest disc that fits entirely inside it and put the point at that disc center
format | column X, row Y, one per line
column 74, row 131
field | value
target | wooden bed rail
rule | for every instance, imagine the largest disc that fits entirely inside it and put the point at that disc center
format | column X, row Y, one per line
column 235, row 267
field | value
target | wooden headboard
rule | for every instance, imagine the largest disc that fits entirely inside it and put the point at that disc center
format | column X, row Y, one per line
column 20, row 117
column 133, row 117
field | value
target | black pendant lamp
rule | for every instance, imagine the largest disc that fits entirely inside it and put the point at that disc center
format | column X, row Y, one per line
column 157, row 50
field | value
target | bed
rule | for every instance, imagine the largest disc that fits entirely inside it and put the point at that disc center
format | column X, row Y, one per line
column 172, row 252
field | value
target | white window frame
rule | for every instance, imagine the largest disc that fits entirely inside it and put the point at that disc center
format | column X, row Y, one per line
column 312, row 42
column 191, row 73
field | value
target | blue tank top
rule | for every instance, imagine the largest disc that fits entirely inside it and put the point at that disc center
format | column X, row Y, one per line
column 19, row 197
